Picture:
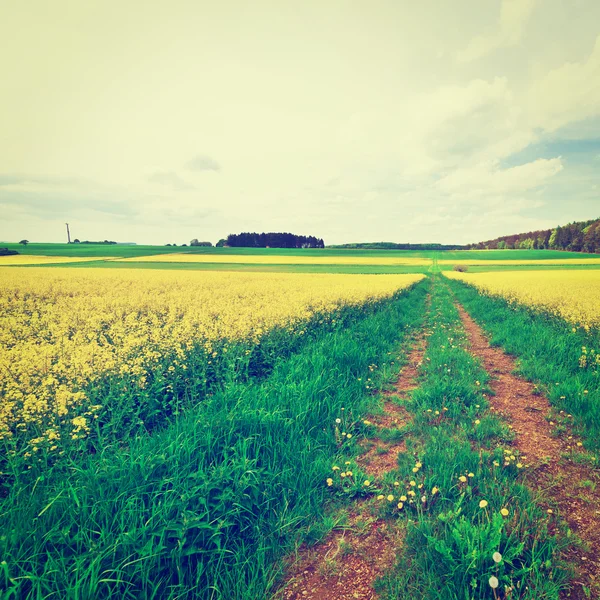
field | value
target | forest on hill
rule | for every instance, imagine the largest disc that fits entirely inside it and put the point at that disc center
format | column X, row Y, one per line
column 579, row 236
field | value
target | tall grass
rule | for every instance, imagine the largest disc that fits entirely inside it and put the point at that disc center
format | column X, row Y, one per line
column 560, row 358
column 204, row 506
column 480, row 536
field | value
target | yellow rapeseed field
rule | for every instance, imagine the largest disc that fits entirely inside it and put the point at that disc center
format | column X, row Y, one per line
column 277, row 259
column 571, row 295
column 63, row 329
column 507, row 262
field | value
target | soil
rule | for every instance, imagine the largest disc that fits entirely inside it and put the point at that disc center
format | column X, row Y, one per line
column 345, row 565
column 568, row 489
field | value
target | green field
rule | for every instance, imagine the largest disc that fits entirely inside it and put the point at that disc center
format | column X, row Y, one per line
column 220, row 471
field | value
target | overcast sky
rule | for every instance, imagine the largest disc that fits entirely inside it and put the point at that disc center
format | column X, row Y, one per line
column 159, row 121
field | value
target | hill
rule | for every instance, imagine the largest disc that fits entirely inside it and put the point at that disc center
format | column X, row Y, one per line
column 579, row 236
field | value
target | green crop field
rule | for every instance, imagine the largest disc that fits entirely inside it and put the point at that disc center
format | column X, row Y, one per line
column 266, row 423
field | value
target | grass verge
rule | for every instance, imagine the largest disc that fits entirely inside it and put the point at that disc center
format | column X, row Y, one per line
column 205, row 506
column 564, row 361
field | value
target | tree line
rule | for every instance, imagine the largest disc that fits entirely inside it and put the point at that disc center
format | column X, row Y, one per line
column 273, row 240
column 580, row 236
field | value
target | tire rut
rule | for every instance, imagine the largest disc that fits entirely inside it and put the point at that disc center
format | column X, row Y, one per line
column 345, row 565
column 549, row 472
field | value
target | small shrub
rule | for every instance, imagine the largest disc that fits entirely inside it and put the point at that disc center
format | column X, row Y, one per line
column 461, row 268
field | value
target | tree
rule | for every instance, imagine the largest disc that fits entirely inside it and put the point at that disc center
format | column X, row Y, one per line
column 24, row 242
column 221, row 243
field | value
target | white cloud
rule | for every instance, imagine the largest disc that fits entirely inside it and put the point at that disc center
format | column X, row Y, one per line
column 514, row 16
column 202, row 162
column 567, row 93
column 488, row 179
column 170, row 179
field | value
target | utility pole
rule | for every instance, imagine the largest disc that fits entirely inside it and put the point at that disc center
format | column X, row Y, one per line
column 68, row 233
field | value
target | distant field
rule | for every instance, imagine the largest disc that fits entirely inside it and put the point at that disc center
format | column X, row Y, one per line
column 122, row 251
column 285, row 259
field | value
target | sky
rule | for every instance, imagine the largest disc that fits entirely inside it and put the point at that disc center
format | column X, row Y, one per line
column 160, row 121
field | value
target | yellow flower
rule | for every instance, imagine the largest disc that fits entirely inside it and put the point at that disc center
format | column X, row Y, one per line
column 403, row 498
column 380, row 497
column 367, row 483
column 334, row 468
column 504, row 512
column 418, row 465
column 390, row 498
column 471, row 475
column 329, row 481
column 434, row 491
column 400, row 505
column 413, row 483
column 462, row 478
column 483, row 503
column 477, row 421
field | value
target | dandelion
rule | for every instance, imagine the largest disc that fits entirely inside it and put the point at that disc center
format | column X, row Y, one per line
column 497, row 557
column 423, row 499
column 329, row 481
column 396, row 484
column 519, row 465
column 338, row 421
column 367, row 483
column 418, row 465
column 403, row 498
column 347, row 462
column 471, row 475
column 415, row 470
column 462, row 478
column 413, row 483
column 348, row 436
column 477, row 421
column 504, row 512
column 549, row 511
column 400, row 505
column 380, row 497
column 579, row 444
column 390, row 498
column 434, row 491
column 483, row 503
column 335, row 468
column 493, row 581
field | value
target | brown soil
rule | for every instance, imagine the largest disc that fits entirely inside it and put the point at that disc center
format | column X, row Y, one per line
column 571, row 489
column 346, row 564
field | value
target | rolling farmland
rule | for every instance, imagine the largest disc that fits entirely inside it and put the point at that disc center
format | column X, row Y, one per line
column 319, row 424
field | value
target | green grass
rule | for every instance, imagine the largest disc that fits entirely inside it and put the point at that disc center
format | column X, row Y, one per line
column 208, row 502
column 122, row 251
column 450, row 539
column 548, row 352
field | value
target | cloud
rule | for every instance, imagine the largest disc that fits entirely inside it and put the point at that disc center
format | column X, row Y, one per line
column 568, row 93
column 170, row 179
column 514, row 15
column 45, row 196
column 488, row 179
column 201, row 162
